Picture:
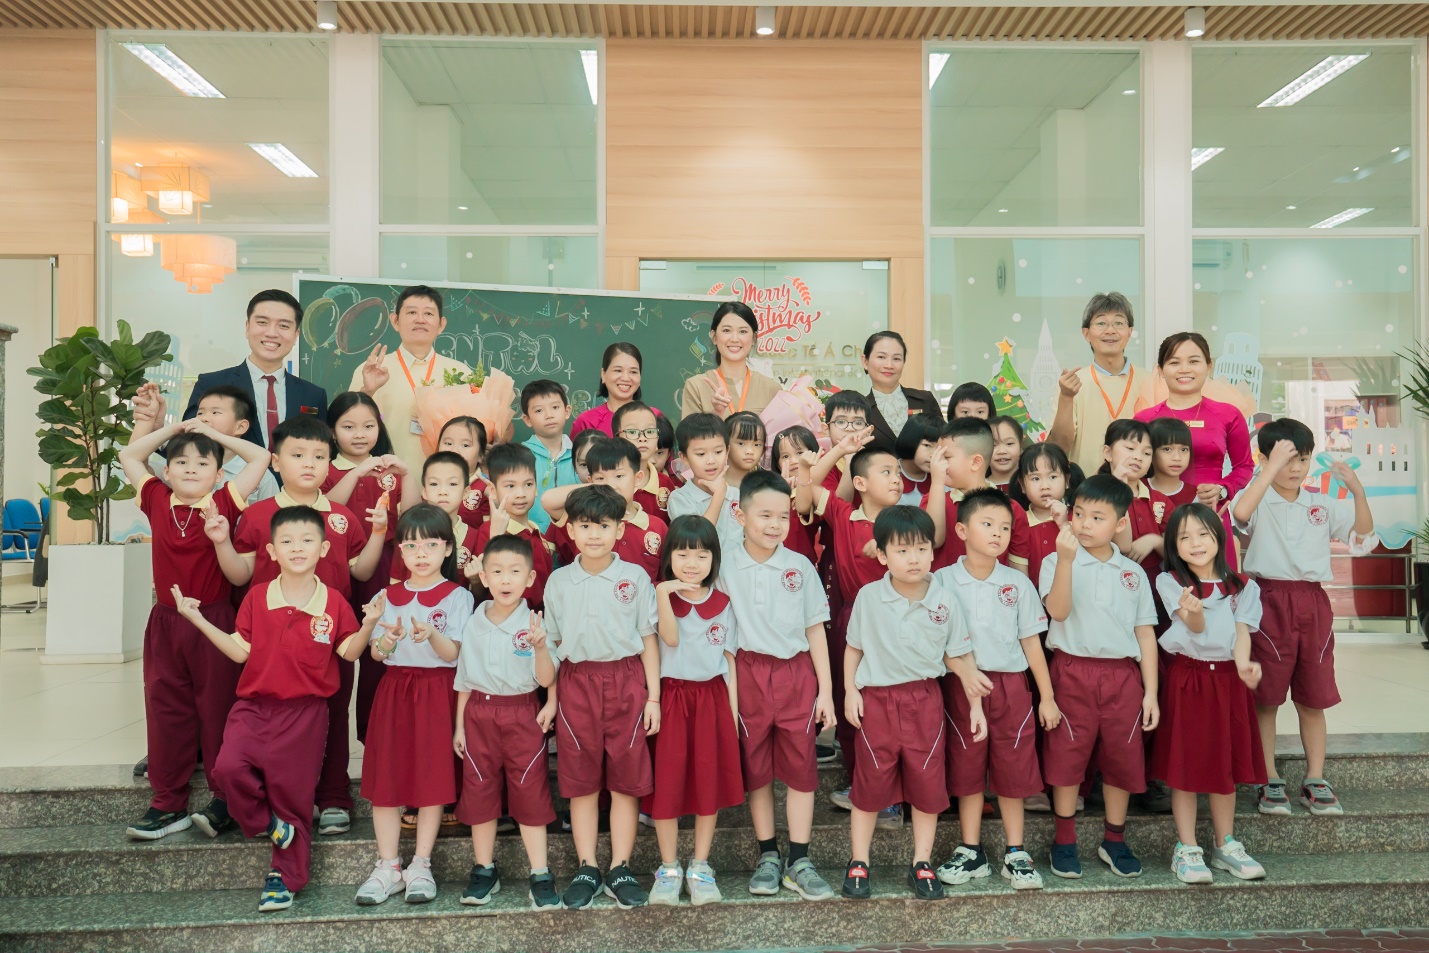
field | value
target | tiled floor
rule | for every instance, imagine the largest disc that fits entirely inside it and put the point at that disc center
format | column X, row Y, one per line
column 94, row 714
column 1332, row 941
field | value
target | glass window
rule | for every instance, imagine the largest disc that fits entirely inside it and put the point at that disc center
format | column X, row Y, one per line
column 563, row 261
column 1017, row 302
column 1035, row 137
column 813, row 315
column 226, row 128
column 1341, row 149
column 480, row 133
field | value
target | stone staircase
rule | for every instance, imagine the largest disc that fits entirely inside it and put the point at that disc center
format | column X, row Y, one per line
column 71, row 880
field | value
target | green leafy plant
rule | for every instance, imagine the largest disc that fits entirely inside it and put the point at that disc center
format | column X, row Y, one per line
column 89, row 383
column 452, row 377
column 1414, row 378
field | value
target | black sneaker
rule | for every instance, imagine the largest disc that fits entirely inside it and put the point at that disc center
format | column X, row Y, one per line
column 1156, row 799
column 825, row 754
column 483, row 884
column 156, row 823
column 141, row 769
column 582, row 888
column 543, row 892
column 214, row 819
column 856, row 881
column 622, row 887
column 924, row 881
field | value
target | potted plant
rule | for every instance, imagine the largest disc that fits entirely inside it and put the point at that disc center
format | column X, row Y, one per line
column 1414, row 372
column 100, row 594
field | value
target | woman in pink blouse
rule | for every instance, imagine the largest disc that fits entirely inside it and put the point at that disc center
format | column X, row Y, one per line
column 619, row 384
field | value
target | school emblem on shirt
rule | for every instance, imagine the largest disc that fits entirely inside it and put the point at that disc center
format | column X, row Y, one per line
column 939, row 615
column 1131, row 580
column 652, row 543
column 337, row 523
column 387, row 482
column 716, row 634
column 463, row 556
column 793, row 580
column 1319, row 515
column 662, row 496
column 1158, row 511
column 625, row 592
column 321, row 627
column 471, row 500
column 1235, row 601
column 1007, row 595
column 438, row 620
column 521, row 645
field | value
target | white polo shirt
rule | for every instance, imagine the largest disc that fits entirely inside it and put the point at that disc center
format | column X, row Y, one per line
column 1109, row 600
column 1000, row 611
column 444, row 607
column 707, row 630
column 773, row 601
column 1290, row 539
column 497, row 659
column 1222, row 612
column 692, row 500
column 601, row 618
column 904, row 640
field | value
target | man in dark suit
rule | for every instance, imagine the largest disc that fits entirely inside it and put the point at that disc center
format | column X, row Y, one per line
column 271, row 330
column 883, row 358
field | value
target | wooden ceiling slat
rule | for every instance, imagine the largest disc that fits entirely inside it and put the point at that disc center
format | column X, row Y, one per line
column 838, row 24
column 484, row 24
column 557, row 19
column 537, row 13
column 1316, row 20
column 1124, row 26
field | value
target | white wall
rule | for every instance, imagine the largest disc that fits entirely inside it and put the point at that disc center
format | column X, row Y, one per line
column 28, row 307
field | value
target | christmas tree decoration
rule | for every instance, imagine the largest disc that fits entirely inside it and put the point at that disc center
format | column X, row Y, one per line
column 1010, row 394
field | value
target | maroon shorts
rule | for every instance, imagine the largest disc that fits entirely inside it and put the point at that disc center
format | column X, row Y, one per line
column 696, row 751
column 408, row 760
column 600, row 727
column 1007, row 758
column 1295, row 645
column 776, row 720
column 901, row 748
column 505, row 762
column 1208, row 740
column 1100, row 700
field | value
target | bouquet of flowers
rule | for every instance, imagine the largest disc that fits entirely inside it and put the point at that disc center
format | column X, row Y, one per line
column 799, row 403
column 485, row 395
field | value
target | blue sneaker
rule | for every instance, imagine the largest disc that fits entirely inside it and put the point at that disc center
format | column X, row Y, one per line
column 1065, row 862
column 1117, row 856
column 280, row 832
column 276, row 895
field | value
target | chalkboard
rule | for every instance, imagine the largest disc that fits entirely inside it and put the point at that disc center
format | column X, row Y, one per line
column 530, row 333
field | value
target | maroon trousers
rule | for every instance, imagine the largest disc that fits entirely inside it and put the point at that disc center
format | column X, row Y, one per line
column 334, row 783
column 269, row 765
column 188, row 689
column 846, row 733
column 369, row 676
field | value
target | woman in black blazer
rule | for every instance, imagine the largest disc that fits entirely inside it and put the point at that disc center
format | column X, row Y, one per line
column 884, row 354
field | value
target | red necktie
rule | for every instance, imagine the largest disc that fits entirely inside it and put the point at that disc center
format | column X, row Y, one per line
column 272, row 407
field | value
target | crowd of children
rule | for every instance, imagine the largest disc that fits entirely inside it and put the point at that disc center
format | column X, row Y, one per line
column 970, row 614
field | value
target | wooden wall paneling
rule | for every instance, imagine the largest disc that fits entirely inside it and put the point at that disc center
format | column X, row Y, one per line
column 905, row 315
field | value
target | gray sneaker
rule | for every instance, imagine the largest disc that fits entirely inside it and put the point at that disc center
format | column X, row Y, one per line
column 666, row 891
column 803, row 879
column 1272, row 799
column 1317, row 796
column 334, row 820
column 700, row 884
column 1231, row 856
column 765, row 882
column 840, row 800
column 421, row 888
column 384, row 882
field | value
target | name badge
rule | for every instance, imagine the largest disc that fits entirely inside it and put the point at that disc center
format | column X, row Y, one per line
column 415, row 426
column 1189, row 423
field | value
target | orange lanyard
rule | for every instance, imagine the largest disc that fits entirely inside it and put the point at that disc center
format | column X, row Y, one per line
column 431, row 363
column 743, row 395
column 1115, row 414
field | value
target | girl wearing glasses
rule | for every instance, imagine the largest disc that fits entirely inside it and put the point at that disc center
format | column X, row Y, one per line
column 635, row 422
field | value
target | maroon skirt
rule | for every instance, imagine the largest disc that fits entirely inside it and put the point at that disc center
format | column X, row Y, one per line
column 696, row 751
column 1208, row 740
column 409, row 761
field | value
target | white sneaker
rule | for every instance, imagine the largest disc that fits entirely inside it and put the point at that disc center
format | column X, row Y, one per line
column 840, row 800
column 334, row 820
column 383, row 883
column 700, row 884
column 666, row 890
column 1017, row 868
column 420, row 885
column 1231, row 857
column 646, row 820
column 1189, row 865
column 1038, row 802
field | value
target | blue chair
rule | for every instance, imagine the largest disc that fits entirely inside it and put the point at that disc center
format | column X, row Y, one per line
column 20, row 529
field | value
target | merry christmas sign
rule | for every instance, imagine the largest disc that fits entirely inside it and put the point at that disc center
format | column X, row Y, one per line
column 785, row 312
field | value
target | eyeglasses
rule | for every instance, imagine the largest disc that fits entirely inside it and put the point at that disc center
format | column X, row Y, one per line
column 1102, row 326
column 647, row 433
column 411, row 548
column 841, row 423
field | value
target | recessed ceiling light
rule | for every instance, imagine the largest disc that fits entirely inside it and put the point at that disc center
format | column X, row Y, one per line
column 1313, row 78
column 1394, row 150
column 1290, row 208
column 1002, row 210
column 1201, row 156
column 184, row 77
column 461, row 208
column 1128, row 92
column 282, row 159
column 1355, row 169
column 590, row 63
column 1341, row 217
column 936, row 62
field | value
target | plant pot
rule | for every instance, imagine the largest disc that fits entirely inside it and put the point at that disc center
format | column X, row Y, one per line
column 99, row 601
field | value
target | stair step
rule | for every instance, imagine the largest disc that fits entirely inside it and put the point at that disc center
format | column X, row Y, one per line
column 98, row 859
column 1337, row 891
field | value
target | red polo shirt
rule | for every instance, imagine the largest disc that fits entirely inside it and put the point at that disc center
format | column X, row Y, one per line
column 182, row 554
column 1041, row 543
column 851, row 530
column 292, row 650
column 1148, row 513
column 346, row 536
column 368, row 492
column 541, row 551
column 466, row 537
column 1018, row 549
column 475, row 507
column 654, row 496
